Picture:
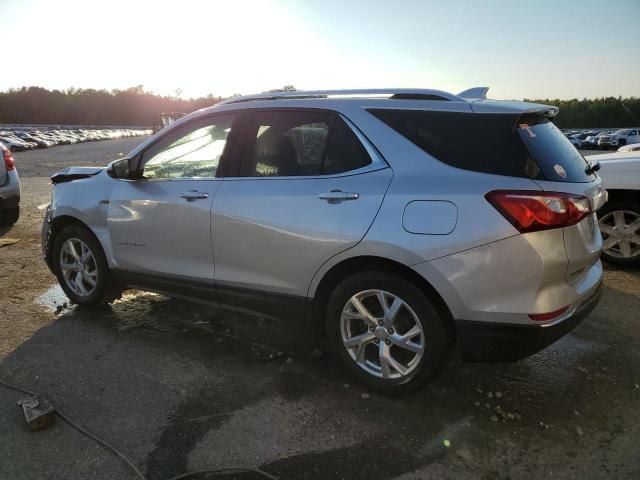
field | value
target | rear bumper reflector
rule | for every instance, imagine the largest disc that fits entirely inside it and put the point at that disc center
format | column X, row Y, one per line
column 541, row 317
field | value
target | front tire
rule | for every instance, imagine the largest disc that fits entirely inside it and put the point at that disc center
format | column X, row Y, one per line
column 81, row 267
column 9, row 216
column 620, row 226
column 386, row 332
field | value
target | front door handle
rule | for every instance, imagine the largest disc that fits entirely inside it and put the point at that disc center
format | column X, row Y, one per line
column 193, row 195
column 337, row 196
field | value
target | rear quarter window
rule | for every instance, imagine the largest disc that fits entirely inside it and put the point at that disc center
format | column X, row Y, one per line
column 512, row 145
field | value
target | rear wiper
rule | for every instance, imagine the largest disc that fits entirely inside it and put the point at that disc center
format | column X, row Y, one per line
column 592, row 168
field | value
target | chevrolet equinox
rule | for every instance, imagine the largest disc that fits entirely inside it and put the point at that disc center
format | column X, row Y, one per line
column 396, row 224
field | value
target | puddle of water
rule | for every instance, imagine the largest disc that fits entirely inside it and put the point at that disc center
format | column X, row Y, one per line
column 53, row 298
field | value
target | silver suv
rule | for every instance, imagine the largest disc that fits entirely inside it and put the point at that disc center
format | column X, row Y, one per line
column 393, row 223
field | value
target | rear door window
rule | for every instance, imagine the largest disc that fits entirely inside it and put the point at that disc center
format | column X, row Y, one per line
column 285, row 143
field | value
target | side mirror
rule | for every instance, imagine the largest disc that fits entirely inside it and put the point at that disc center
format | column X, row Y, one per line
column 119, row 168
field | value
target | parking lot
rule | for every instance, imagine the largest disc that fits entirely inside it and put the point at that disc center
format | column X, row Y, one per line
column 180, row 386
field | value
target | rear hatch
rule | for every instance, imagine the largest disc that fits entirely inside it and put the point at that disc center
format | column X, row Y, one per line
column 556, row 166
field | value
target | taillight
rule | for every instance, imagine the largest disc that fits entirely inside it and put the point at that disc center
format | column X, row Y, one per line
column 531, row 211
column 9, row 162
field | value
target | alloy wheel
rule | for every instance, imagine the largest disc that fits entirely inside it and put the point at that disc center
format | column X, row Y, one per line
column 382, row 334
column 78, row 267
column 621, row 233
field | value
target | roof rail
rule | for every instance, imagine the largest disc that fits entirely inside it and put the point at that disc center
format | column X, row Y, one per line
column 397, row 93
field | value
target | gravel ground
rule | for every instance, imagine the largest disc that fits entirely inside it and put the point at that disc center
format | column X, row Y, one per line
column 180, row 386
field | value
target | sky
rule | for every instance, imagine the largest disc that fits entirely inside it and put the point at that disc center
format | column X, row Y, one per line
column 520, row 49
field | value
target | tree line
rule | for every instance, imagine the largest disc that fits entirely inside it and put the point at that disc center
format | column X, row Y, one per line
column 606, row 112
column 135, row 106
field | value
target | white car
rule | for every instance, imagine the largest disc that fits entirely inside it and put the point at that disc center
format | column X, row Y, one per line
column 620, row 217
column 619, row 138
column 634, row 147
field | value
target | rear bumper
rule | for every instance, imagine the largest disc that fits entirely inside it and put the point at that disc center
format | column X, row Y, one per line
column 499, row 342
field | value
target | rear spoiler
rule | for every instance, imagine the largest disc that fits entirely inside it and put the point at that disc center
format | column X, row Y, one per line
column 476, row 93
column 74, row 173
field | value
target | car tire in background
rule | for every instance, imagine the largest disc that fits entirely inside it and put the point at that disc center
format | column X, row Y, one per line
column 620, row 226
column 9, row 216
column 408, row 334
column 81, row 267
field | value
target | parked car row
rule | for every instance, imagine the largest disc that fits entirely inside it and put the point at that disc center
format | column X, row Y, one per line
column 28, row 139
column 603, row 139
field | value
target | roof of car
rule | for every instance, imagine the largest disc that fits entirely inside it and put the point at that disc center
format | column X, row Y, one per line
column 473, row 99
column 381, row 97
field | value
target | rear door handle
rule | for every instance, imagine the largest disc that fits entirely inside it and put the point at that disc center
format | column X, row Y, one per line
column 193, row 195
column 337, row 196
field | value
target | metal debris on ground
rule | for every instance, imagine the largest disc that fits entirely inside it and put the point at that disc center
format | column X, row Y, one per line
column 365, row 396
column 38, row 412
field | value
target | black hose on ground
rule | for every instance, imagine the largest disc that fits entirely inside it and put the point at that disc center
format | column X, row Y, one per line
column 130, row 464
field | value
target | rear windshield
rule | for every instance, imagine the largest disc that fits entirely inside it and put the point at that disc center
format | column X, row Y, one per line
column 501, row 144
column 557, row 158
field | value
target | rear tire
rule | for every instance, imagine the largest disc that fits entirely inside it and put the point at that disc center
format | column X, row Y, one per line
column 9, row 216
column 620, row 233
column 86, row 285
column 392, row 354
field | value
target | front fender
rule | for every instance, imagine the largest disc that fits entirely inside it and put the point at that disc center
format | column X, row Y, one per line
column 85, row 201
